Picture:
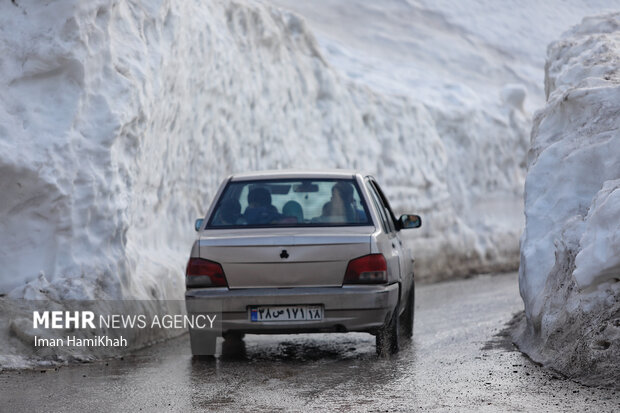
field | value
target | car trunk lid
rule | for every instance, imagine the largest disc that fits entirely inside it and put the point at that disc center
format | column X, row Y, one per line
column 285, row 260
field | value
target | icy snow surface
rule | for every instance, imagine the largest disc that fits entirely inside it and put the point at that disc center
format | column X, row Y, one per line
column 477, row 68
column 119, row 119
column 570, row 253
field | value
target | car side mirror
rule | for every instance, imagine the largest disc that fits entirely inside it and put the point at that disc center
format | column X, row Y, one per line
column 198, row 224
column 407, row 221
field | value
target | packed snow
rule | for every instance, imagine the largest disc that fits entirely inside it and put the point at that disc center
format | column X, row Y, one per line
column 119, row 119
column 570, row 253
column 477, row 67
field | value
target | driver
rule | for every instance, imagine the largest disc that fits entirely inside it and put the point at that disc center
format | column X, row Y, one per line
column 260, row 210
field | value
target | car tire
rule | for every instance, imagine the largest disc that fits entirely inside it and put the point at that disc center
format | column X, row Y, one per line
column 202, row 343
column 202, row 358
column 388, row 336
column 233, row 336
column 407, row 317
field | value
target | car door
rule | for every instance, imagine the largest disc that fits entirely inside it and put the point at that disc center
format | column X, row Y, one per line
column 389, row 245
column 395, row 240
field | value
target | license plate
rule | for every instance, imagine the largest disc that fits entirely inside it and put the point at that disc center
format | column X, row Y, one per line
column 287, row 313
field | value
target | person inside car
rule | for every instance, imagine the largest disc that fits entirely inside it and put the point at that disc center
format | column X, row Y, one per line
column 292, row 209
column 259, row 209
column 341, row 206
column 230, row 212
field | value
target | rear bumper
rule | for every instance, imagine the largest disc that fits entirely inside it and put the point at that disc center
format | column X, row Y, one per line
column 347, row 308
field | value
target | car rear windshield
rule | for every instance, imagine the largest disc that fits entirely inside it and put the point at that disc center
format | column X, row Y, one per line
column 290, row 203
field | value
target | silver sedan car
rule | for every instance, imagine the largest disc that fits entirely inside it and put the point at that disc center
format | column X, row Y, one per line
column 301, row 252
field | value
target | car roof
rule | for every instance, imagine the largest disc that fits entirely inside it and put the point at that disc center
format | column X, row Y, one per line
column 297, row 173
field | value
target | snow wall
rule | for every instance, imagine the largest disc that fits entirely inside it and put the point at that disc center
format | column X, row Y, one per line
column 570, row 252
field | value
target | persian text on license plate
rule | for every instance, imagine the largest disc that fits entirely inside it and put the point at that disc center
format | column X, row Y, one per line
column 287, row 313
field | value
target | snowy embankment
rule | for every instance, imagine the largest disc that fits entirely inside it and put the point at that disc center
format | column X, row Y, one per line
column 119, row 119
column 570, row 252
column 477, row 68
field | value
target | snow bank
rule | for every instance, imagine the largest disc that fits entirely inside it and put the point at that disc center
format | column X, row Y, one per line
column 570, row 252
column 476, row 67
column 119, row 120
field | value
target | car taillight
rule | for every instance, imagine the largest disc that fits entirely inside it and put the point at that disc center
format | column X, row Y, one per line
column 369, row 269
column 205, row 273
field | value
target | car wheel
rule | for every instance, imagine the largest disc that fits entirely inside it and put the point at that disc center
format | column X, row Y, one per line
column 202, row 358
column 406, row 321
column 203, row 343
column 233, row 336
column 388, row 335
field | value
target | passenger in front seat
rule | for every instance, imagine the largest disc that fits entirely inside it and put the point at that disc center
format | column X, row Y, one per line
column 341, row 206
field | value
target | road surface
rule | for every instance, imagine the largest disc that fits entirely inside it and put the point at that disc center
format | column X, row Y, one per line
column 456, row 361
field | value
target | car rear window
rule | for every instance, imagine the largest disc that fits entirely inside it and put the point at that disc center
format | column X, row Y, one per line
column 290, row 203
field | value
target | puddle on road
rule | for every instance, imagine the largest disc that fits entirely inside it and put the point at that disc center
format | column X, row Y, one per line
column 299, row 348
column 294, row 368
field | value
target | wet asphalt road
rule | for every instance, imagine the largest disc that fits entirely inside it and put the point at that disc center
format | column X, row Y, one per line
column 456, row 362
